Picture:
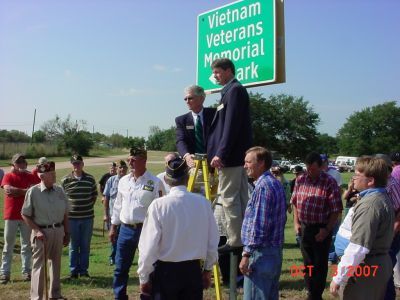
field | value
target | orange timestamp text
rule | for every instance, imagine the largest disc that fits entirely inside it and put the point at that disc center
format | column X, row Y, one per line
column 351, row 271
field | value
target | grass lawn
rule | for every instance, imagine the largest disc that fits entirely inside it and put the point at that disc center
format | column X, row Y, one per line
column 99, row 285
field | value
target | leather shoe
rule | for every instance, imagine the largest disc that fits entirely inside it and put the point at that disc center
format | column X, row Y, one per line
column 228, row 248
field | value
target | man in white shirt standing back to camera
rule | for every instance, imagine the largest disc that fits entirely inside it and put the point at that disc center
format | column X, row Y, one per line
column 135, row 193
column 178, row 232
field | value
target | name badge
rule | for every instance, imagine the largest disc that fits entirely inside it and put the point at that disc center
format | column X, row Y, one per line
column 149, row 188
column 189, row 127
column 221, row 106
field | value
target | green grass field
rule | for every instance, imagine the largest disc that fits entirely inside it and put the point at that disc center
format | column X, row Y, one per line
column 99, row 285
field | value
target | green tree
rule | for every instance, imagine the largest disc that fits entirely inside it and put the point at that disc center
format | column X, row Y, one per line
column 98, row 137
column 327, row 144
column 372, row 130
column 69, row 135
column 117, row 140
column 163, row 140
column 39, row 137
column 79, row 142
column 138, row 142
column 284, row 123
column 14, row 136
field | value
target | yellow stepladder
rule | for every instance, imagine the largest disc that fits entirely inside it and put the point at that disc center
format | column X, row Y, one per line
column 201, row 163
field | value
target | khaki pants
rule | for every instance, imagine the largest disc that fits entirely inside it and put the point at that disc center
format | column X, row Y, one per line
column 233, row 189
column 54, row 243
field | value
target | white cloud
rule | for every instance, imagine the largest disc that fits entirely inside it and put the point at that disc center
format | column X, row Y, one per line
column 160, row 68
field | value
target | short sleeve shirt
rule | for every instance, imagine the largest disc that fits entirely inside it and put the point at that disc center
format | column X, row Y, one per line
column 316, row 199
column 372, row 223
column 13, row 205
column 134, row 198
column 45, row 206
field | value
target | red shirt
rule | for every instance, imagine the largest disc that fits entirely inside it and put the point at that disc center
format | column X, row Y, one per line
column 36, row 178
column 13, row 205
column 316, row 199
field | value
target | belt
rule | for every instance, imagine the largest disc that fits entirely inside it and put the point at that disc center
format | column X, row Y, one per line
column 184, row 262
column 51, row 225
column 319, row 225
column 134, row 226
column 376, row 254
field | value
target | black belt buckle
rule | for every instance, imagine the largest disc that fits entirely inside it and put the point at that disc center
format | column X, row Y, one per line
column 134, row 226
column 54, row 225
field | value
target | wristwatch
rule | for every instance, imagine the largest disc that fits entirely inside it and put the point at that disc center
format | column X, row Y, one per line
column 245, row 254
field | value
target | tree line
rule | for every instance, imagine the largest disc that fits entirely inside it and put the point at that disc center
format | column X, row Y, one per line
column 283, row 123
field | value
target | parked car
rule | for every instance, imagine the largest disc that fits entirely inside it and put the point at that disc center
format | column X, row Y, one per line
column 292, row 166
column 285, row 165
column 343, row 167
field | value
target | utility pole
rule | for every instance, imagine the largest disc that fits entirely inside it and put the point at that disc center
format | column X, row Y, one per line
column 33, row 126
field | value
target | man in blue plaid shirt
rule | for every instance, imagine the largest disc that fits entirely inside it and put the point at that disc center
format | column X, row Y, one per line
column 262, row 229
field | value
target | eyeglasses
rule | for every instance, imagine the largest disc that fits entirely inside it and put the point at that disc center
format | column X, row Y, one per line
column 356, row 176
column 188, row 98
column 20, row 161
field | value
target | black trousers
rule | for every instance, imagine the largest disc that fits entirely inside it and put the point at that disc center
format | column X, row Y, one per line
column 315, row 254
column 178, row 280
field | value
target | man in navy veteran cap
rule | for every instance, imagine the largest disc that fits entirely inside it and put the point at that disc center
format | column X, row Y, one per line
column 45, row 211
column 135, row 193
column 168, row 246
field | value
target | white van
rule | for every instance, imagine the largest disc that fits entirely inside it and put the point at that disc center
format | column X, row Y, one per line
column 347, row 162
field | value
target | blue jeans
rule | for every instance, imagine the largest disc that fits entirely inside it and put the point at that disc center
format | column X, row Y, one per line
column 332, row 253
column 394, row 249
column 79, row 247
column 127, row 243
column 114, row 247
column 263, row 281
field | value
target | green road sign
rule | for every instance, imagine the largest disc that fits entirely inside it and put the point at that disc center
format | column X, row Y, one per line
column 246, row 32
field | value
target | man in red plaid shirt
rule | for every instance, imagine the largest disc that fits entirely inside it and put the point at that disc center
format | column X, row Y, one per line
column 317, row 204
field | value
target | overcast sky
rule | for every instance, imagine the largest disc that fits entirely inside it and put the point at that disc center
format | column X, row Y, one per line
column 122, row 65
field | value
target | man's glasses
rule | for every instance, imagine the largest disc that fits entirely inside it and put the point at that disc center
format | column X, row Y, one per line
column 188, row 98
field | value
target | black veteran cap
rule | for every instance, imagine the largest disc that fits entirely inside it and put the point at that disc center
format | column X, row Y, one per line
column 122, row 164
column 76, row 158
column 176, row 168
column 395, row 156
column 297, row 169
column 47, row 166
column 135, row 151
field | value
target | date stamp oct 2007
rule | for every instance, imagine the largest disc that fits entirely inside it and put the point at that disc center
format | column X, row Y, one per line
column 351, row 271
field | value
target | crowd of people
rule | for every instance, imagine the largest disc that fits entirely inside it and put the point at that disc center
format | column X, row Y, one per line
column 180, row 237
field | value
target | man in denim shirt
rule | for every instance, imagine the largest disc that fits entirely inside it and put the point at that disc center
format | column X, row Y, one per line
column 110, row 194
column 262, row 229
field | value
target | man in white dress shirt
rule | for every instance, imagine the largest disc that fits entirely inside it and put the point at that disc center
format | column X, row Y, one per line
column 135, row 193
column 178, row 232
